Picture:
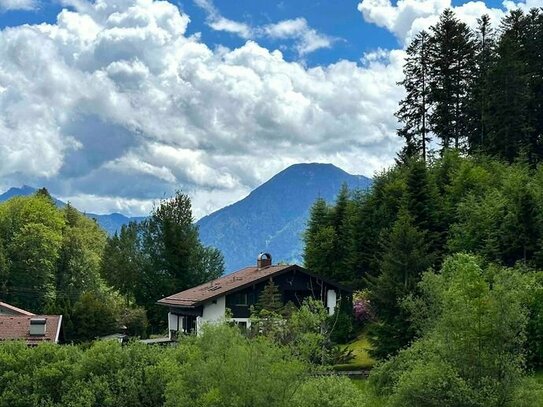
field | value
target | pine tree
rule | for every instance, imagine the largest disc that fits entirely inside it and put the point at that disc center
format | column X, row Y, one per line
column 415, row 108
column 452, row 56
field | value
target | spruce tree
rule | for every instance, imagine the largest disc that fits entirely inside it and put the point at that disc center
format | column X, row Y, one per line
column 405, row 255
column 452, row 56
column 415, row 108
column 270, row 299
column 508, row 125
column 534, row 49
column 319, row 239
column 479, row 92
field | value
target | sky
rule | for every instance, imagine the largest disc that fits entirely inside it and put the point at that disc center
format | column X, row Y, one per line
column 113, row 104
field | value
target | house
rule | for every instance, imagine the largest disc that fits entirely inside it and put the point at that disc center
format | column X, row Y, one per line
column 18, row 324
column 190, row 309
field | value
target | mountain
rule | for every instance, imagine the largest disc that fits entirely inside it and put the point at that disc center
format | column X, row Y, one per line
column 273, row 217
column 25, row 190
column 110, row 222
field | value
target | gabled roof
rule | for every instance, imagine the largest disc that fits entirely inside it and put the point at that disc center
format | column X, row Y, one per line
column 222, row 285
column 194, row 297
column 18, row 328
column 14, row 310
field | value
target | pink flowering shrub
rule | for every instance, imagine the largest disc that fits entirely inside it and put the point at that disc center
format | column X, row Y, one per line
column 362, row 309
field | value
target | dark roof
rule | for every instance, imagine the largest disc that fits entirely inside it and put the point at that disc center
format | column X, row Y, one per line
column 18, row 327
column 195, row 296
column 14, row 309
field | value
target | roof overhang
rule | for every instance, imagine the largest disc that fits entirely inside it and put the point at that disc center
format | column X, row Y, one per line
column 186, row 303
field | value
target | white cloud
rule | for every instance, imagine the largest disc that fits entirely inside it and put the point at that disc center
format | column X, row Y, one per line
column 18, row 4
column 405, row 18
column 219, row 23
column 306, row 39
column 114, row 105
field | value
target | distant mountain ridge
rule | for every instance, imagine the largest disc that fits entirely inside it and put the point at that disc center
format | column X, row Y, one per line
column 273, row 217
column 110, row 222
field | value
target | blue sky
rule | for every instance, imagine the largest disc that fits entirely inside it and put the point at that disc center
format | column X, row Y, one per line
column 338, row 19
column 112, row 104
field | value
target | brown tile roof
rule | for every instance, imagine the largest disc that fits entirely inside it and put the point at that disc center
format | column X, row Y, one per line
column 18, row 327
column 14, row 309
column 222, row 285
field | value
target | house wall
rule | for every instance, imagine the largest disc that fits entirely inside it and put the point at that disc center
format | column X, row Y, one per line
column 331, row 301
column 294, row 286
column 214, row 310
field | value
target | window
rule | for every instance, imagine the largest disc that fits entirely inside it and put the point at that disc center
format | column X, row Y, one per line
column 241, row 299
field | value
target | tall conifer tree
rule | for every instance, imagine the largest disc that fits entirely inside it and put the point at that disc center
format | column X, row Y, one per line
column 415, row 108
column 452, row 52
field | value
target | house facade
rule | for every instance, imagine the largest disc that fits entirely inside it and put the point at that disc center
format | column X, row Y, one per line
column 18, row 324
column 238, row 291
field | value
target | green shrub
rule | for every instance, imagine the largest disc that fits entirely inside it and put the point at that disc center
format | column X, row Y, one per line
column 328, row 391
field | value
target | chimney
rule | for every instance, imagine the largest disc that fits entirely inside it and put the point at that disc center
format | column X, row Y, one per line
column 263, row 260
column 38, row 326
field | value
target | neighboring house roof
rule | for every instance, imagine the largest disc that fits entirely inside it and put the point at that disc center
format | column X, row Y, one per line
column 195, row 296
column 13, row 310
column 18, row 328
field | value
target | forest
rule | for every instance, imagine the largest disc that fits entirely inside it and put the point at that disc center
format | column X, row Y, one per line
column 445, row 251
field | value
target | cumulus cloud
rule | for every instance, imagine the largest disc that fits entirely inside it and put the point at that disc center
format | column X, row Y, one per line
column 18, row 4
column 114, row 106
column 306, row 39
column 405, row 18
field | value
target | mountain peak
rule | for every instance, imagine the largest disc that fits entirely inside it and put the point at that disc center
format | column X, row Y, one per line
column 273, row 216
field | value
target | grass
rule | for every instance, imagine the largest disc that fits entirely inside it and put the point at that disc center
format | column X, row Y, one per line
column 362, row 360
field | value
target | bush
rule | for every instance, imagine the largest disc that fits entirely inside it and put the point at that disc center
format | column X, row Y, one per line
column 135, row 321
column 224, row 368
column 471, row 349
column 329, row 391
column 342, row 327
column 433, row 384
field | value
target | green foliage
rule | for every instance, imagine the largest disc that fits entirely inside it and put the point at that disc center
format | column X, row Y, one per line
column 135, row 321
column 92, row 316
column 328, row 238
column 329, row 391
column 103, row 375
column 270, row 299
column 472, row 322
column 341, row 326
column 158, row 257
column 405, row 256
column 224, row 368
column 474, row 89
column 31, row 230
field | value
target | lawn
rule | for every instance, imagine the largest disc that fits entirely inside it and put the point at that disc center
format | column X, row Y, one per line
column 362, row 359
